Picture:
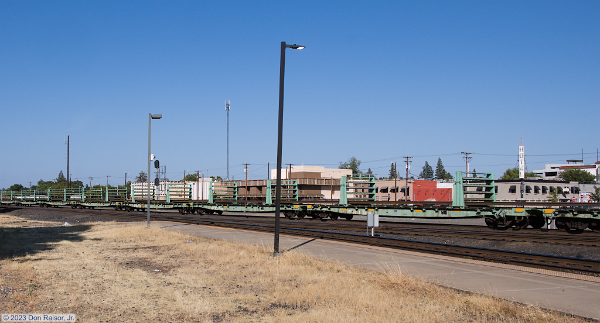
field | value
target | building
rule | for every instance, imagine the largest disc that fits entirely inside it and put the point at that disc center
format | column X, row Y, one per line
column 393, row 190
column 531, row 190
column 432, row 191
column 552, row 171
column 311, row 172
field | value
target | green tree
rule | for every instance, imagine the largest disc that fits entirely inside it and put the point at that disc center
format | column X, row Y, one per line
column 440, row 171
column 513, row 173
column 393, row 172
column 216, row 179
column 60, row 178
column 427, row 172
column 76, row 184
column 553, row 196
column 596, row 196
column 352, row 164
column 576, row 175
column 16, row 187
column 44, row 185
column 369, row 173
column 190, row 178
column 142, row 177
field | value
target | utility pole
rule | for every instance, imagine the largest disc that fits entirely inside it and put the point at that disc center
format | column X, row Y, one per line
column 199, row 183
column 289, row 176
column 406, row 179
column 246, row 171
column 125, row 180
column 68, row 175
column 91, row 178
column 467, row 158
column 107, row 176
column 227, row 107
column 268, row 171
column 395, row 183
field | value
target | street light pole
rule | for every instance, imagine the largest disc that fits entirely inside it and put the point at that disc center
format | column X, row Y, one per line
column 150, row 117
column 279, row 144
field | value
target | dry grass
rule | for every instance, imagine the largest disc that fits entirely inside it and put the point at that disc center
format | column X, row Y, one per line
column 129, row 273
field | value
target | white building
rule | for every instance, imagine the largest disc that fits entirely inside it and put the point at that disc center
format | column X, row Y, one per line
column 552, row 171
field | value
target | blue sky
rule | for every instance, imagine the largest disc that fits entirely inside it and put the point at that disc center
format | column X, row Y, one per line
column 378, row 80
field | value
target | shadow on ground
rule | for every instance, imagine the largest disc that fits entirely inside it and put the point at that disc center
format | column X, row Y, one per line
column 19, row 242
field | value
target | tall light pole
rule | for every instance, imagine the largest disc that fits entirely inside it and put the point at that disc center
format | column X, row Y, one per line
column 227, row 107
column 150, row 117
column 279, row 139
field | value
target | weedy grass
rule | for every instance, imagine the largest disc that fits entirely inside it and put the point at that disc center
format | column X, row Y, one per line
column 130, row 273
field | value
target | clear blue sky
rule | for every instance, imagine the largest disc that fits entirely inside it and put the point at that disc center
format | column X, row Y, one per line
column 378, row 80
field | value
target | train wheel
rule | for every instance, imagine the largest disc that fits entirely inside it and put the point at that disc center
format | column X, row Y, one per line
column 334, row 216
column 521, row 223
column 595, row 225
column 492, row 223
column 348, row 217
column 537, row 222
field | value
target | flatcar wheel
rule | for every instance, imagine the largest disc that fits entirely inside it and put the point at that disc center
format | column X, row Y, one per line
column 595, row 225
column 348, row 217
column 491, row 223
column 537, row 222
column 334, row 216
column 521, row 223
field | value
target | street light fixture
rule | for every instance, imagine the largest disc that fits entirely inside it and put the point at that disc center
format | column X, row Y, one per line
column 279, row 140
column 150, row 117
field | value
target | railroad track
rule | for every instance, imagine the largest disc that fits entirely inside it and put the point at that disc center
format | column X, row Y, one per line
column 557, row 263
column 565, row 264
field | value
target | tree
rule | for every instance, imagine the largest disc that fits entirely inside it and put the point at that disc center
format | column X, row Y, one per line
column 576, row 175
column 61, row 177
column 142, row 177
column 44, row 185
column 513, row 173
column 440, row 171
column 190, row 178
column 393, row 172
column 553, row 195
column 369, row 173
column 16, row 187
column 596, row 196
column 427, row 172
column 352, row 164
column 216, row 179
column 76, row 184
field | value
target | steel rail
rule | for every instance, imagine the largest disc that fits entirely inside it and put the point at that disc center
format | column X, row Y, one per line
column 551, row 262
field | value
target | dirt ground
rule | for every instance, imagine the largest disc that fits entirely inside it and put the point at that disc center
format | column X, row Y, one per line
column 126, row 272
